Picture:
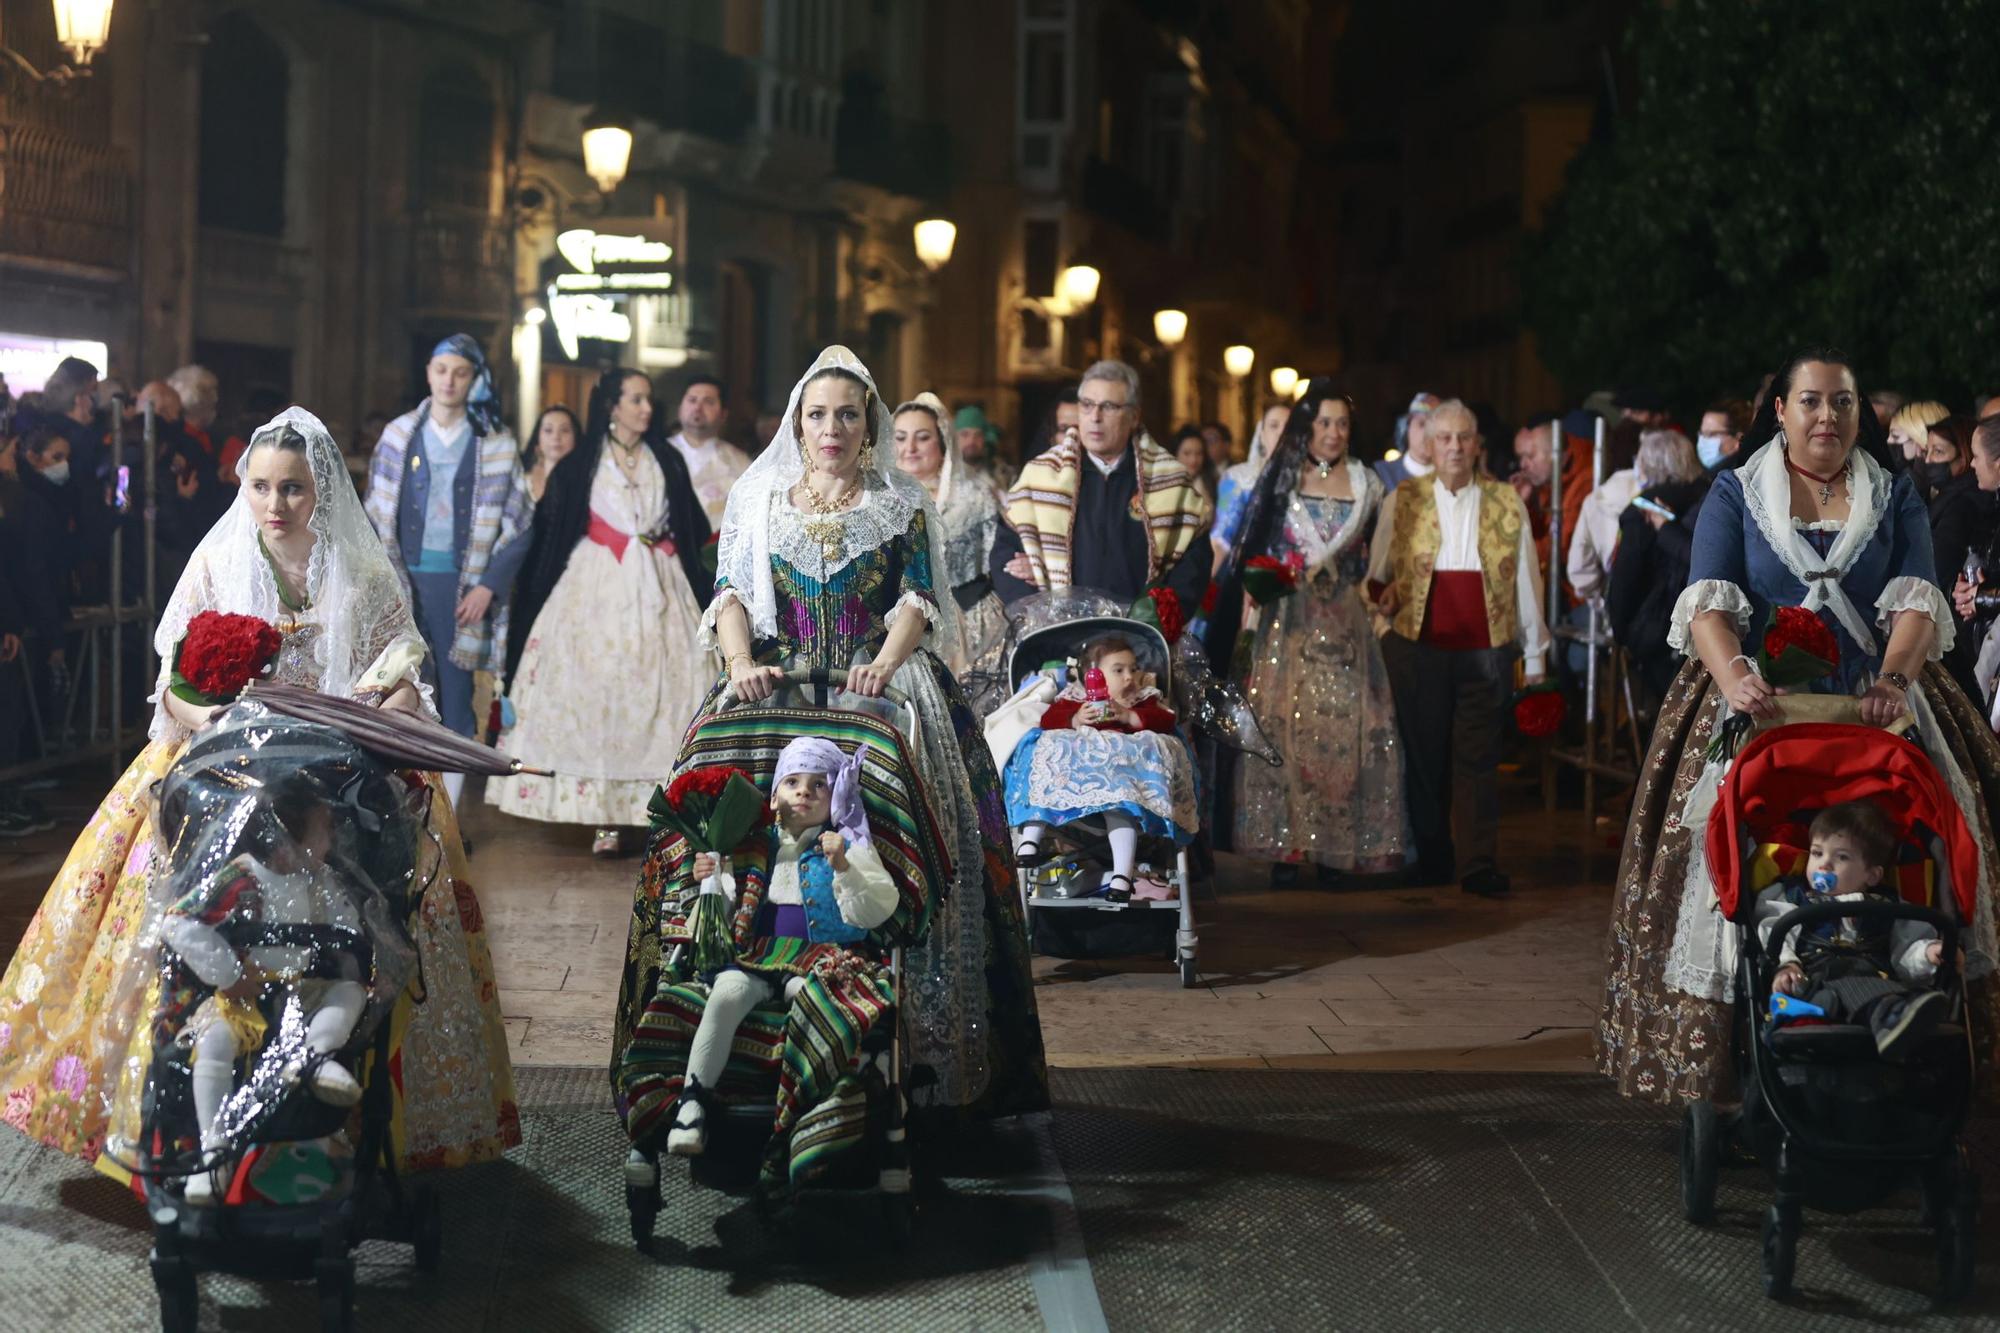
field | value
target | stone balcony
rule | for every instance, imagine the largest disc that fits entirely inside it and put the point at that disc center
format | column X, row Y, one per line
column 64, row 201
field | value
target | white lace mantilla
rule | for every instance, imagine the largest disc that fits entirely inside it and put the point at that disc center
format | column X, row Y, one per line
column 1698, row 599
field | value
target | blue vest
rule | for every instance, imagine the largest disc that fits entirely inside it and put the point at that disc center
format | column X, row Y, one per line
column 416, row 494
column 824, row 923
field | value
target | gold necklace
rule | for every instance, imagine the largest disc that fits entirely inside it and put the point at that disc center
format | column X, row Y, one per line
column 826, row 527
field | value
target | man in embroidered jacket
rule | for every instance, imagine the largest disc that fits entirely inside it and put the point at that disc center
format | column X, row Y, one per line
column 447, row 495
column 714, row 463
column 1454, row 570
column 1105, row 508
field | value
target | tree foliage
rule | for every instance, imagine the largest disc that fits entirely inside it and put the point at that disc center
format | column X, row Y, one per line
column 1792, row 172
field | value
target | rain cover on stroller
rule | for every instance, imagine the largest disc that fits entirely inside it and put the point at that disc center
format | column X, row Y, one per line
column 283, row 881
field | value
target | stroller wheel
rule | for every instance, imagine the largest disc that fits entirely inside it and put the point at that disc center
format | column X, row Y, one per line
column 1957, row 1219
column 1781, row 1249
column 897, row 1217
column 180, row 1298
column 642, row 1205
column 428, row 1231
column 1701, row 1161
column 1189, row 978
column 336, row 1296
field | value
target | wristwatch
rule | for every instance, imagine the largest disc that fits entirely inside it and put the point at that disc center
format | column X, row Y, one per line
column 1896, row 678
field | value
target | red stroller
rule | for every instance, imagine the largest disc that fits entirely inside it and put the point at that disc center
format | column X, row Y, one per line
column 1837, row 1125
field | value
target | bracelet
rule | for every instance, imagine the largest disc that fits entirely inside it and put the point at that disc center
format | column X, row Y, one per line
column 734, row 658
column 1747, row 660
column 1896, row 678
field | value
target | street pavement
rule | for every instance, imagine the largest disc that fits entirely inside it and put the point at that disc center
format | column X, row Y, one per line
column 1374, row 1111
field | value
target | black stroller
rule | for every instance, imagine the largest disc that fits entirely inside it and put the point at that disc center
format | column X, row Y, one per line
column 1836, row 1124
column 288, row 855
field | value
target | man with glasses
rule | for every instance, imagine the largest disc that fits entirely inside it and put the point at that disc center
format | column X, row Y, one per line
column 1104, row 508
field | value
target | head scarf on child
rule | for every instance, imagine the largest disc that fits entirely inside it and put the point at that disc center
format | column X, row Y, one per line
column 813, row 754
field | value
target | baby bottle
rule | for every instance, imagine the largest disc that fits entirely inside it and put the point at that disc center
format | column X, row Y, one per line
column 1094, row 688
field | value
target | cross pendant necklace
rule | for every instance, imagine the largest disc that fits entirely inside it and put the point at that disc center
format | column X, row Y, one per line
column 1825, row 483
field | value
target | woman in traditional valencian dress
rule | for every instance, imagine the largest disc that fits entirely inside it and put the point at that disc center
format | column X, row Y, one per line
column 969, row 516
column 603, row 669
column 827, row 560
column 1813, row 518
column 1316, row 681
column 296, row 551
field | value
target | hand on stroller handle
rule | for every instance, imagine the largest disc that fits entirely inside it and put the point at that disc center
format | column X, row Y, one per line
column 774, row 678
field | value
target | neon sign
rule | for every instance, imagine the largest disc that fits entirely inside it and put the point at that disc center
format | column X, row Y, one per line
column 589, row 301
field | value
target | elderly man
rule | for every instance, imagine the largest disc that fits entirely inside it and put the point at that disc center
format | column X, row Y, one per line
column 448, row 498
column 1454, row 570
column 1413, row 456
column 714, row 464
column 1105, row 508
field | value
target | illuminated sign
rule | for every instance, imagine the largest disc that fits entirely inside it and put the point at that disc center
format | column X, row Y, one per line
column 27, row 361
column 589, row 301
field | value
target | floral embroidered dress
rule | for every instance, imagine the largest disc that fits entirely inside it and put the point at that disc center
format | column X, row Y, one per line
column 838, row 585
column 1067, row 773
column 1320, row 689
column 1664, row 1033
column 76, row 994
column 611, row 674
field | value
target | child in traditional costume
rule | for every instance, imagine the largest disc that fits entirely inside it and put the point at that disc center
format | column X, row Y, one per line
column 826, row 890
column 1107, row 748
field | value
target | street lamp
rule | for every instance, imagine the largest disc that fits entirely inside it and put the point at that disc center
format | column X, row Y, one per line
column 1170, row 326
column 1237, row 359
column 935, row 238
column 607, row 150
column 1283, row 380
column 83, row 26
column 1079, row 285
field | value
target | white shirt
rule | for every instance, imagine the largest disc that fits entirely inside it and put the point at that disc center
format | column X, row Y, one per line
column 1458, row 550
column 713, row 468
column 1105, row 467
column 1415, row 468
column 1595, row 540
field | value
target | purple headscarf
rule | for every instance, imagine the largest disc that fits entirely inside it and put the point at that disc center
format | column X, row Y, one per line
column 813, row 754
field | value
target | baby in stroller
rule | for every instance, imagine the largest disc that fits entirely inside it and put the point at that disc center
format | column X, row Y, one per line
column 1107, row 746
column 826, row 889
column 1868, row 972
column 290, row 882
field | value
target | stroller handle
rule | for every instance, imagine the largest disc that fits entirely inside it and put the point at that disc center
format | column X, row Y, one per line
column 821, row 678
column 1814, row 913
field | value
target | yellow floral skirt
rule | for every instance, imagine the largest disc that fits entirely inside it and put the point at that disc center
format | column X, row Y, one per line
column 76, row 997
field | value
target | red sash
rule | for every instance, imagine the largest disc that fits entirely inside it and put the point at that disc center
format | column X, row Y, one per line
column 608, row 537
column 1455, row 614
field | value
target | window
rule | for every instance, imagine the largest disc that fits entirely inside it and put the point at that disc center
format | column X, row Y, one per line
column 245, row 89
column 455, row 144
column 1044, row 90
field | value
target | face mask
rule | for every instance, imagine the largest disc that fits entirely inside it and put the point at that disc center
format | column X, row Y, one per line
column 1709, row 448
column 1936, row 476
column 57, row 473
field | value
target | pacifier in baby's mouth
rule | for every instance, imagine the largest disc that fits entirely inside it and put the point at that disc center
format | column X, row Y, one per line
column 1824, row 882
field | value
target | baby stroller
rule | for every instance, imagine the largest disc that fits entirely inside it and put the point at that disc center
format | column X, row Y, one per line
column 853, row 1141
column 1067, row 872
column 1838, row 1126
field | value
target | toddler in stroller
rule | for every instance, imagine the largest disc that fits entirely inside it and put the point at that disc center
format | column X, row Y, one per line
column 1853, row 970
column 760, row 1003
column 1108, row 746
column 1845, row 1107
column 826, row 889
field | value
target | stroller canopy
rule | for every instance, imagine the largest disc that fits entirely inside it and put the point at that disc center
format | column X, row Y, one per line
column 1784, row 777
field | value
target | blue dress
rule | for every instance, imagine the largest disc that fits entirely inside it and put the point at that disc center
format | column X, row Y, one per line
column 1057, row 777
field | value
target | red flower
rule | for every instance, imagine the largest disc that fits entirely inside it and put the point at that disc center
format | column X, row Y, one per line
column 1798, row 648
column 1267, row 580
column 222, row 653
column 707, row 782
column 1208, row 599
column 1167, row 605
column 1540, row 712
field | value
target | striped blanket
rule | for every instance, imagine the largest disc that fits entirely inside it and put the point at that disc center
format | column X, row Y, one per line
column 810, row 1049
column 1042, row 509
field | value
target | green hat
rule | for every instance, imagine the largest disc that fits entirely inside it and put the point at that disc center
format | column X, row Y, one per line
column 974, row 418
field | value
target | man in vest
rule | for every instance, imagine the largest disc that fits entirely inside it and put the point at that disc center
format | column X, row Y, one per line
column 448, row 498
column 1105, row 508
column 1454, row 570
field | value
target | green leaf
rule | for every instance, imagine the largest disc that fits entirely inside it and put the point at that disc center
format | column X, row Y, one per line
column 737, row 810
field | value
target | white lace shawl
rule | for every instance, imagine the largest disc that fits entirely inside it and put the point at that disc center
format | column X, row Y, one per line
column 1366, row 488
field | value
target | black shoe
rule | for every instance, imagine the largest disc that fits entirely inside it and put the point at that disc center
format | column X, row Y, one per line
column 1908, row 1017
column 1487, row 884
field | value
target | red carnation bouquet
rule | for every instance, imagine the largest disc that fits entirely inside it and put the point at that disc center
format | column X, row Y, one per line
column 1161, row 608
column 1539, row 710
column 1270, row 580
column 219, row 655
column 1798, row 648
column 714, row 809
